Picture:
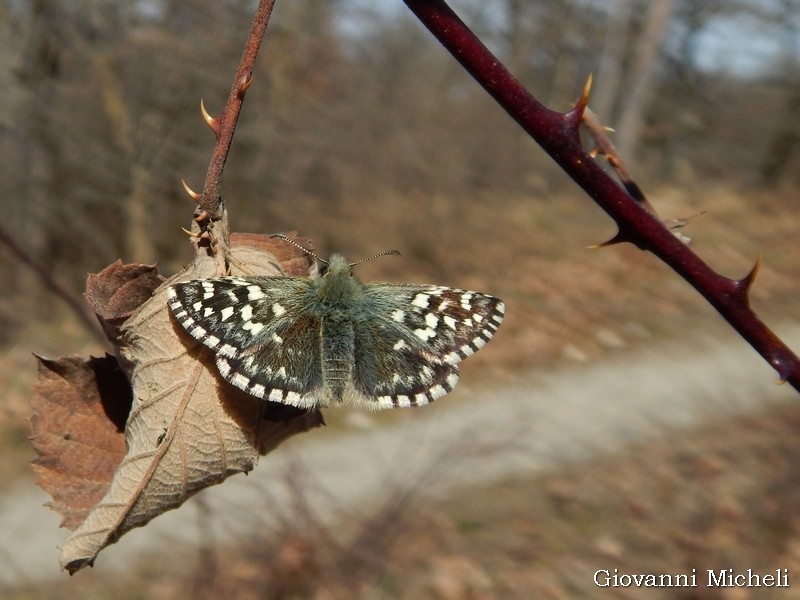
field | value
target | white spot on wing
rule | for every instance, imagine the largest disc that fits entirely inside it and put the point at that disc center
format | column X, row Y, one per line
column 254, row 293
column 421, row 300
column 253, row 327
column 247, row 312
column 240, row 381
column 198, row 333
column 452, row 358
column 228, row 350
column 437, row 391
column 424, row 334
column 226, row 313
column 223, row 366
column 452, row 380
column 385, row 401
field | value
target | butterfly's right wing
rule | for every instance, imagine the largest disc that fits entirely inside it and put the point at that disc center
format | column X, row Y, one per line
column 264, row 342
column 410, row 339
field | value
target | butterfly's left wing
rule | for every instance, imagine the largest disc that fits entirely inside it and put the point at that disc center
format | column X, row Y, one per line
column 409, row 340
column 263, row 340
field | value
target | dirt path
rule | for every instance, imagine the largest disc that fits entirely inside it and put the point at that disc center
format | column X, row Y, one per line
column 461, row 441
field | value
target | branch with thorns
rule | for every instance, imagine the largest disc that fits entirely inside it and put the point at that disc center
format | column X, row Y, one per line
column 210, row 229
column 557, row 133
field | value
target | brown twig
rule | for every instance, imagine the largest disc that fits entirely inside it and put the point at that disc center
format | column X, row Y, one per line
column 45, row 276
column 209, row 211
column 605, row 147
column 557, row 134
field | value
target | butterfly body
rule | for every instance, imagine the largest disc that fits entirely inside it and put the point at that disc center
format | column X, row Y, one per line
column 334, row 340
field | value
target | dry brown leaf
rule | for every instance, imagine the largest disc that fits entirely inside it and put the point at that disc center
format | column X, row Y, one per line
column 187, row 429
column 118, row 290
column 79, row 412
column 293, row 262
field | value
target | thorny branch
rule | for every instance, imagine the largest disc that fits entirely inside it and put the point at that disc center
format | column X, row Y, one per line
column 557, row 134
column 605, row 147
column 209, row 208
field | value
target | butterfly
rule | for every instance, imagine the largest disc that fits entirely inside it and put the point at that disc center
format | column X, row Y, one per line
column 332, row 340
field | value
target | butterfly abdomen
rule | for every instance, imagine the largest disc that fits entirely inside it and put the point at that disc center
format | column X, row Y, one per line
column 337, row 354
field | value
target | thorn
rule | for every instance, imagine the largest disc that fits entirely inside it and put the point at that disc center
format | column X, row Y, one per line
column 587, row 90
column 201, row 217
column 617, row 239
column 747, row 281
column 245, row 85
column 212, row 122
column 191, row 233
column 595, row 151
column 575, row 116
column 192, row 194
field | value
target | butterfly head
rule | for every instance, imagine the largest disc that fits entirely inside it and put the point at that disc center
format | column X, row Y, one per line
column 337, row 266
column 336, row 284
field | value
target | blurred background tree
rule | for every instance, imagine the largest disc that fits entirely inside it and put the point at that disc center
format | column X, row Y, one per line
column 355, row 104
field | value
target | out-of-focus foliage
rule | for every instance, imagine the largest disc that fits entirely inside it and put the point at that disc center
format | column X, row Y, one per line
column 353, row 102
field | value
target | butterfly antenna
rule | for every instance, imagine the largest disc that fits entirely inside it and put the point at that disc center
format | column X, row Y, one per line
column 384, row 253
column 293, row 243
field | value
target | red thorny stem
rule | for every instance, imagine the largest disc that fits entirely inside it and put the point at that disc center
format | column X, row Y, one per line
column 225, row 124
column 557, row 134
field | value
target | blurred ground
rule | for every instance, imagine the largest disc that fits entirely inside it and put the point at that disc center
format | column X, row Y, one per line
column 521, row 490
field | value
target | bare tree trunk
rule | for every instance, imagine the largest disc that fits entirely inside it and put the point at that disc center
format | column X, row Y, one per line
column 42, row 56
column 783, row 148
column 643, row 77
column 607, row 87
